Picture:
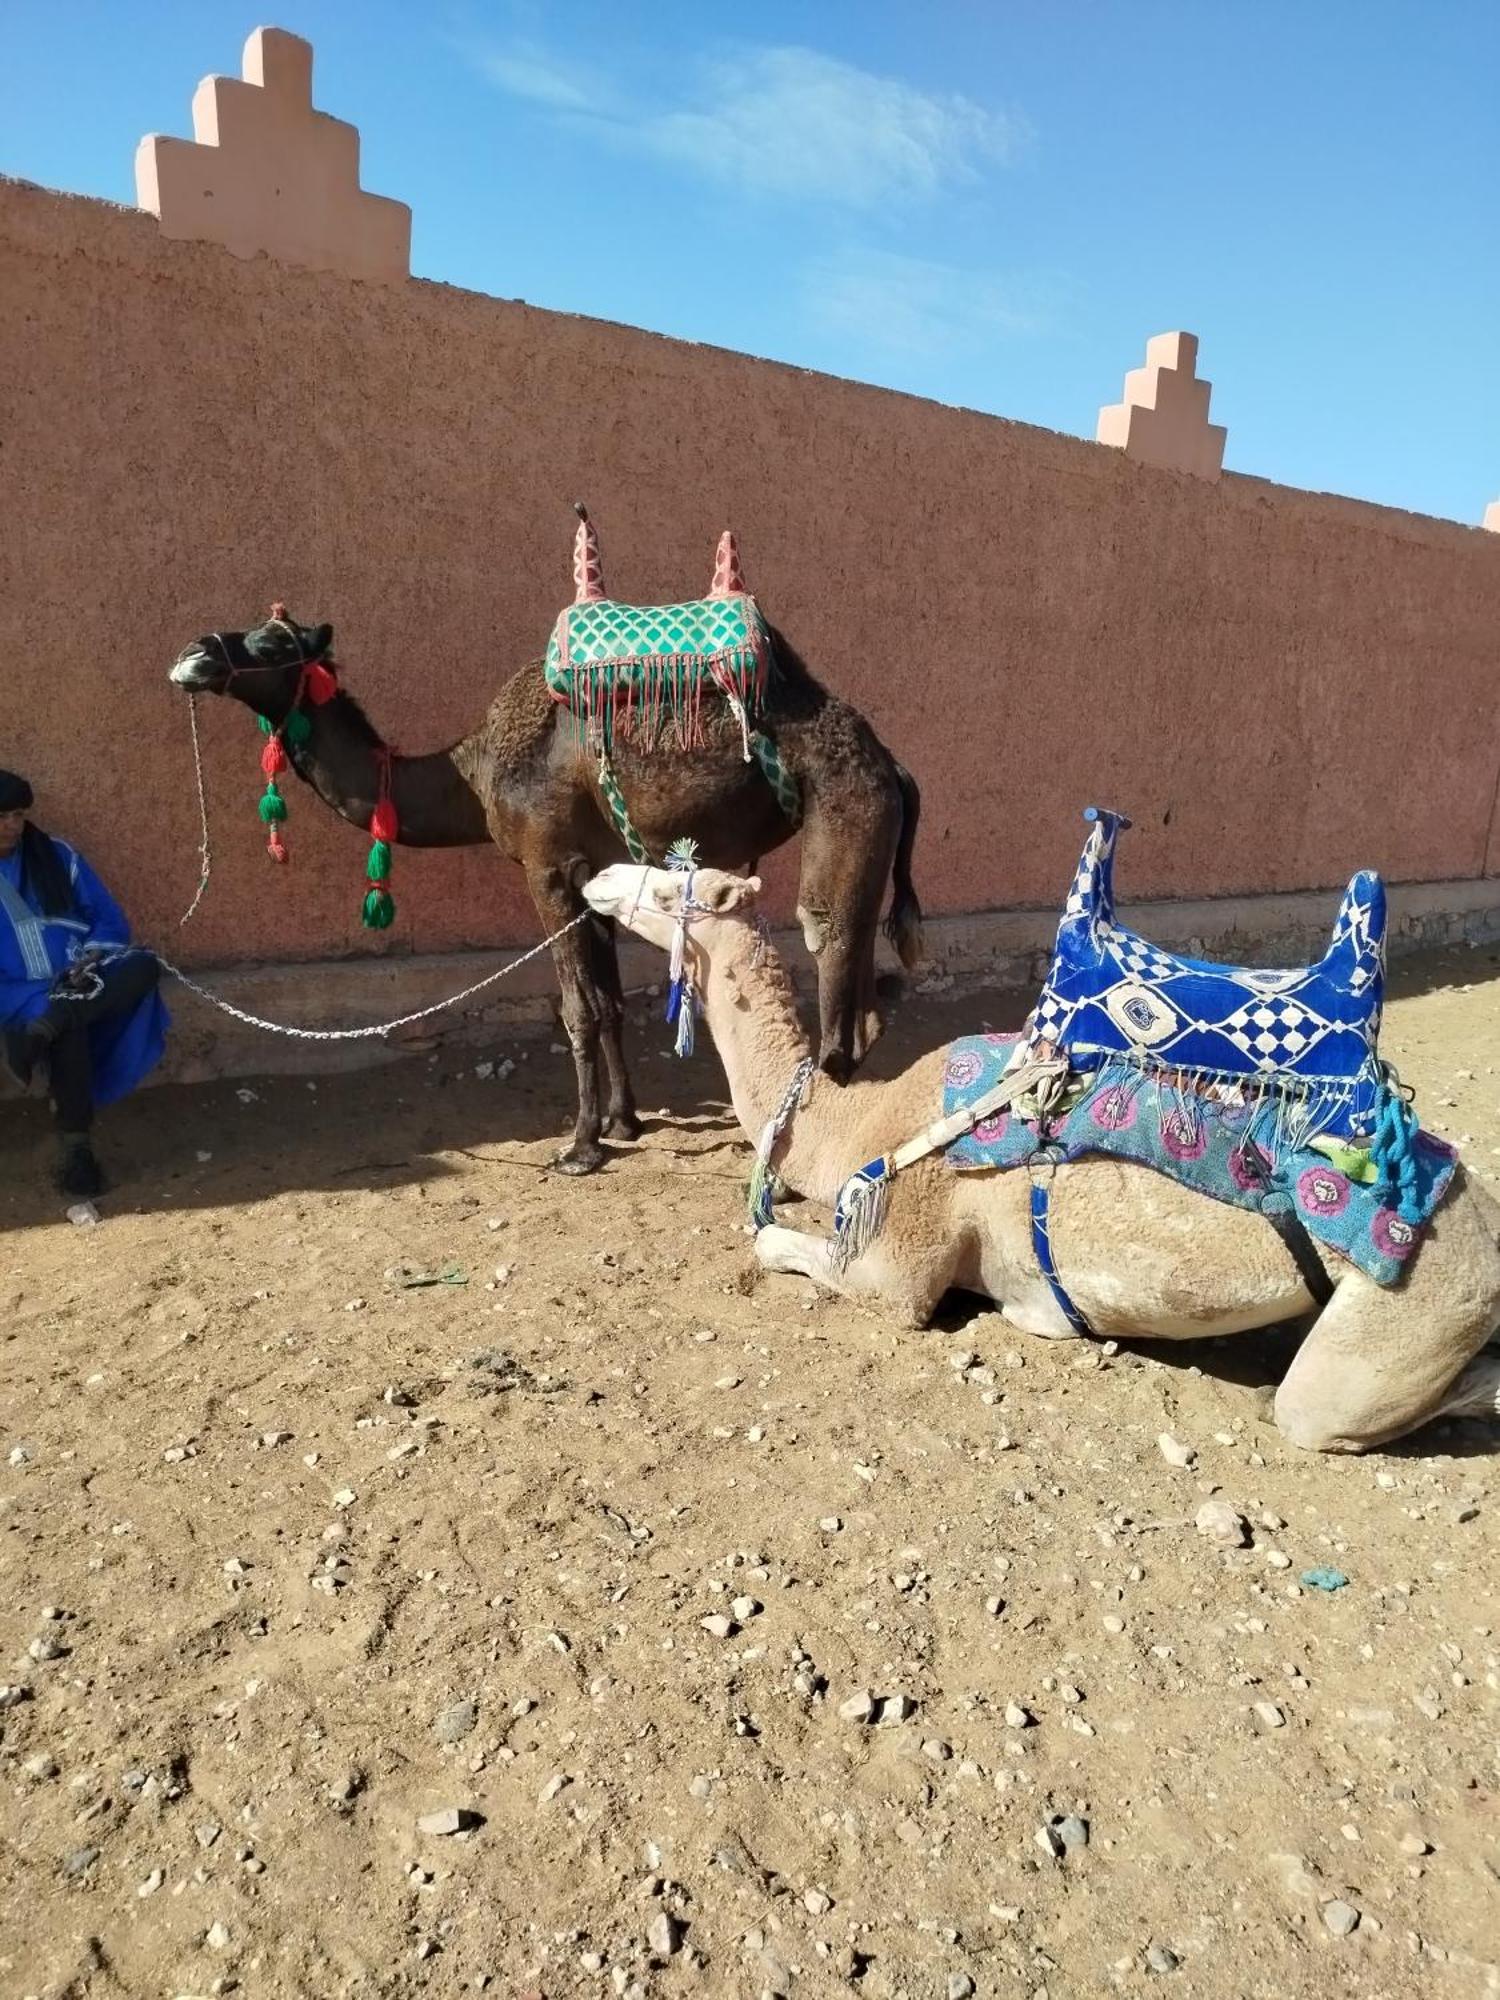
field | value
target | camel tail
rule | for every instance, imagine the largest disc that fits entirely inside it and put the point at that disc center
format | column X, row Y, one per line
column 904, row 924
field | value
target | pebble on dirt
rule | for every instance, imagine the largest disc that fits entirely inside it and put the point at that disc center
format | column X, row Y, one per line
column 1222, row 1523
column 663, row 1935
column 1340, row 1917
column 450, row 1819
column 456, row 1722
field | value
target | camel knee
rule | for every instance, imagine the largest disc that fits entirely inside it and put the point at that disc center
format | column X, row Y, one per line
column 580, row 1019
column 1311, row 1429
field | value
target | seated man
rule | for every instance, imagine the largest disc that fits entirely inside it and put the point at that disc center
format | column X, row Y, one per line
column 74, row 998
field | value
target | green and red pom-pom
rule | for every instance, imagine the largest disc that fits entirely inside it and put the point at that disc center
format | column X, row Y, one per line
column 379, row 908
column 379, row 911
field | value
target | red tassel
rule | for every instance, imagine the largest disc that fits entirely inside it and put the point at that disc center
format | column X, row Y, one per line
column 383, row 822
column 273, row 757
column 319, row 683
column 276, row 846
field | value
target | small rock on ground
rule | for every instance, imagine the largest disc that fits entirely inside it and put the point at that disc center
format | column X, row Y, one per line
column 456, row 1722
column 1222, row 1523
column 449, row 1819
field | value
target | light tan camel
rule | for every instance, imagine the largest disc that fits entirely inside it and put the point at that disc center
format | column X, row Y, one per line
column 1142, row 1257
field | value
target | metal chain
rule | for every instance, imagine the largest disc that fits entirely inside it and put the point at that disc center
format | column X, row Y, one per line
column 384, row 1027
column 205, row 852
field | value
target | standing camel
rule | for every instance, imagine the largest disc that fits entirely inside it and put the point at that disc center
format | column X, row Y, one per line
column 525, row 779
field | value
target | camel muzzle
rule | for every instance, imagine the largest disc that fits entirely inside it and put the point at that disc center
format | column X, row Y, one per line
column 197, row 672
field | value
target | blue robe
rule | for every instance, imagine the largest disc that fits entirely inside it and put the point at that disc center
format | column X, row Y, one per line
column 124, row 1049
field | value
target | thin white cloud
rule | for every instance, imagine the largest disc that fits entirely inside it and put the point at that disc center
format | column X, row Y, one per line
column 788, row 121
column 784, row 122
column 529, row 72
column 881, row 300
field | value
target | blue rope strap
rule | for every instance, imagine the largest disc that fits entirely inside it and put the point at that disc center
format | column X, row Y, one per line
column 1041, row 1239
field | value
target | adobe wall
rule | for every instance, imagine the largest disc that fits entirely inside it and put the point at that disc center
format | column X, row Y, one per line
column 1279, row 686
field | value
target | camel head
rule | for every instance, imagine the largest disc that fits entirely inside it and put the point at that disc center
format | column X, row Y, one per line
column 652, row 902
column 263, row 668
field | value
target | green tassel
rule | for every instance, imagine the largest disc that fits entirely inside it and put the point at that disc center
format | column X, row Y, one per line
column 379, row 911
column 378, row 867
column 296, row 729
column 272, row 805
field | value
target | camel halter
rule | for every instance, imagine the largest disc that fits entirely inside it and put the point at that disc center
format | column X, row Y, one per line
column 317, row 684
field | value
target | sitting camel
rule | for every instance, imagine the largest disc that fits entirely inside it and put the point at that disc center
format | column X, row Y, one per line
column 526, row 780
column 1144, row 1258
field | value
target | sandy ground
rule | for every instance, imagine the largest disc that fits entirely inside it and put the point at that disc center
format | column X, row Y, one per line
column 295, row 1554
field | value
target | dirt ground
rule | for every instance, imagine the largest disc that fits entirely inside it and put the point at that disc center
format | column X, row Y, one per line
column 296, row 1552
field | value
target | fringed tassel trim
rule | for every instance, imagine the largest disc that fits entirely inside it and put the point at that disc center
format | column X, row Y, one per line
column 682, row 1007
column 859, row 1213
column 641, row 699
column 1393, row 1153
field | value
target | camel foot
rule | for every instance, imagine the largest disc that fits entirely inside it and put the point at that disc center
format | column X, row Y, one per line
column 836, row 1065
column 623, row 1125
column 580, row 1159
column 793, row 1250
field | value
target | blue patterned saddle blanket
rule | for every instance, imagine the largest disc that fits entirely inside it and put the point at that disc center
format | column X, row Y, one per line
column 1303, row 1038
column 1121, row 1112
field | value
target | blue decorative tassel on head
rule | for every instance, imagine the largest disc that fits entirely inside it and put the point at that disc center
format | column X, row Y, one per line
column 682, row 999
column 859, row 1213
column 682, row 1006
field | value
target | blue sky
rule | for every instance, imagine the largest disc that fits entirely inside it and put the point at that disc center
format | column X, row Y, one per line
column 991, row 202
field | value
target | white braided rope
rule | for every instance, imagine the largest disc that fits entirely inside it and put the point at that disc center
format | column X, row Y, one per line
column 382, row 1028
column 205, row 853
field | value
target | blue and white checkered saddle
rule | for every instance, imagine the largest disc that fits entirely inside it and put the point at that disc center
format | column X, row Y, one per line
column 1305, row 1038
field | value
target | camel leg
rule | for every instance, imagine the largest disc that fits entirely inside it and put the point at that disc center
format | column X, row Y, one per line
column 558, row 902
column 908, row 1291
column 620, row 1120
column 1378, row 1363
column 845, row 869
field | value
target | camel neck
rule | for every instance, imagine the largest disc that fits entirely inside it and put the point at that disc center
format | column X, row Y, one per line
column 349, row 765
column 751, row 1010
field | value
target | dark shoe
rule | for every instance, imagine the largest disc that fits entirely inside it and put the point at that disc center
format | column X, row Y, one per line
column 80, row 1174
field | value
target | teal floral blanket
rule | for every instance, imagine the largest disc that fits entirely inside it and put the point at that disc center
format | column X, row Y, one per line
column 1201, row 1139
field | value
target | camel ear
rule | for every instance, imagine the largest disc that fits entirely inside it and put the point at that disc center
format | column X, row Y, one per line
column 320, row 639
column 732, row 892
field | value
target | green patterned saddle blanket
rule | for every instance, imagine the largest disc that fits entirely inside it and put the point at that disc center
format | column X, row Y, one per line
column 640, row 671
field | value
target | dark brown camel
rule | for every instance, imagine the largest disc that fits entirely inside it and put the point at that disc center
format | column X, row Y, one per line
column 525, row 781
